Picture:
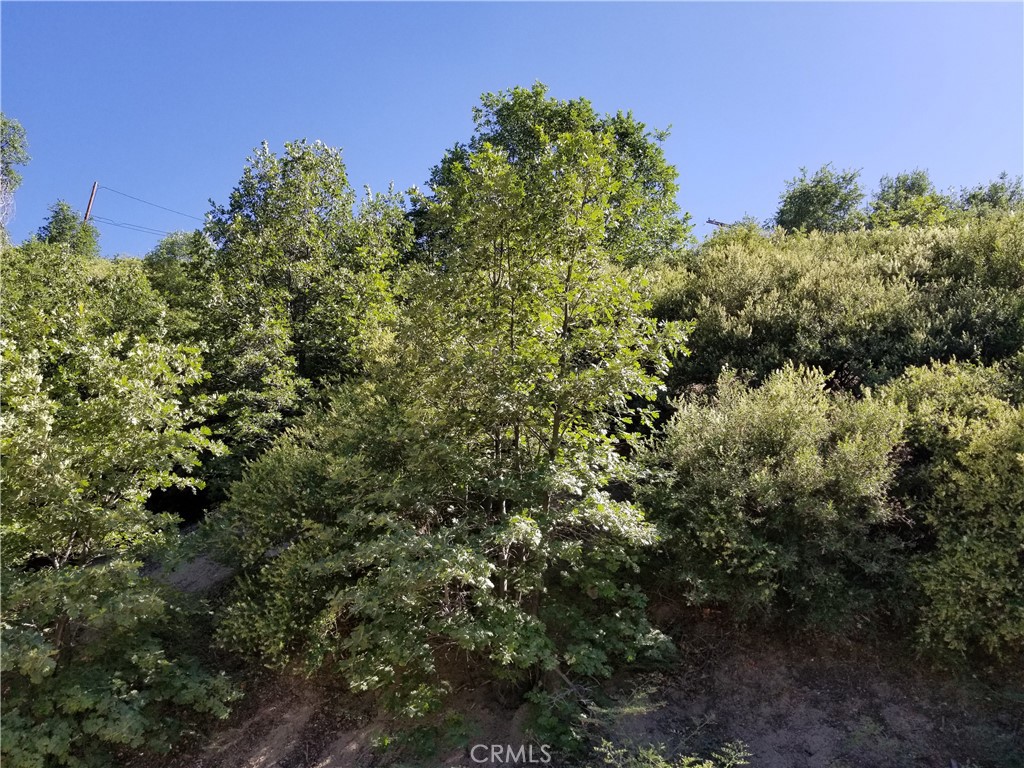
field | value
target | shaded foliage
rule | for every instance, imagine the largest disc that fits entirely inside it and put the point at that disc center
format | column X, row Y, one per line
column 776, row 499
column 456, row 500
column 93, row 421
column 965, row 483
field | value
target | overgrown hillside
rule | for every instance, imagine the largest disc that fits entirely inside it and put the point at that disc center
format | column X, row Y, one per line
column 518, row 433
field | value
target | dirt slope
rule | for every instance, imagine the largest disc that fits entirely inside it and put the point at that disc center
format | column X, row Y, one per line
column 795, row 704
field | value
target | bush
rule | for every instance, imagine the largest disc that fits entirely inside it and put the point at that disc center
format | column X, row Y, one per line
column 776, row 499
column 843, row 303
column 93, row 421
column 863, row 306
column 730, row 756
column 973, row 291
column 93, row 670
column 966, row 485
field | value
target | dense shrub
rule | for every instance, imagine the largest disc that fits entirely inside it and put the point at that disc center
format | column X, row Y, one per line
column 93, row 420
column 775, row 499
column 844, row 303
column 653, row 756
column 93, row 668
column 972, row 293
column 863, row 305
column 965, row 483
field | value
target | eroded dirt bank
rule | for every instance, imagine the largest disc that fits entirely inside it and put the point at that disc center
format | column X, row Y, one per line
column 795, row 703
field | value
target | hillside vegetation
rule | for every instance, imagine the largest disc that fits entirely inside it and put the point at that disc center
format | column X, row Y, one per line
column 490, row 424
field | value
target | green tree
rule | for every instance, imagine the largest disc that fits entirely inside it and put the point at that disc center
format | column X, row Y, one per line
column 172, row 270
column 828, row 201
column 1004, row 194
column 93, row 421
column 282, row 289
column 13, row 151
column 644, row 219
column 457, row 499
column 64, row 226
column 290, row 234
column 908, row 200
column 167, row 265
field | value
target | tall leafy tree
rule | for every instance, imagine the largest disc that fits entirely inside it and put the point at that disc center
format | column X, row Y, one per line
column 247, row 347
column 291, row 232
column 279, row 239
column 827, row 201
column 94, row 419
column 13, row 151
column 458, row 498
column 908, row 200
column 65, row 226
column 282, row 287
column 642, row 196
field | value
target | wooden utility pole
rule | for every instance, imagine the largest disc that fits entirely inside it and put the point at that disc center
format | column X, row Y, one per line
column 92, row 196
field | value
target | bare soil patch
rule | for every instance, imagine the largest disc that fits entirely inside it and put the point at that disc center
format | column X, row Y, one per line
column 795, row 703
column 814, row 703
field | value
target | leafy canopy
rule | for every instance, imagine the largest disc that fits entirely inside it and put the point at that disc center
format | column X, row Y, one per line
column 908, row 200
column 94, row 419
column 827, row 201
column 643, row 223
column 64, row 226
column 457, row 499
column 283, row 288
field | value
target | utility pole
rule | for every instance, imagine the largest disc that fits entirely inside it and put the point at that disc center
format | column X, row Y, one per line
column 92, row 196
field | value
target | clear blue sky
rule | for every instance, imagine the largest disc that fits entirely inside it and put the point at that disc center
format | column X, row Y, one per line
column 165, row 101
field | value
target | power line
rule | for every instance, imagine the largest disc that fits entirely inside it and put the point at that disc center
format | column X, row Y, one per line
column 139, row 199
column 127, row 225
